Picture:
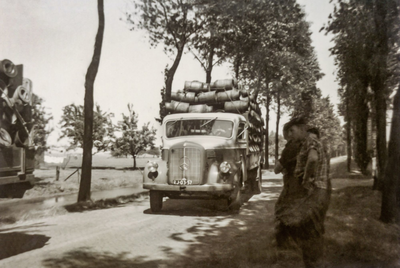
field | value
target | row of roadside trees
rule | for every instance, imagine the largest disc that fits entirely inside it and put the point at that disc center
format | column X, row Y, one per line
column 367, row 54
column 267, row 45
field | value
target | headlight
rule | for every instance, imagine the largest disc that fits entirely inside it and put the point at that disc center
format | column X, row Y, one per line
column 224, row 167
column 152, row 166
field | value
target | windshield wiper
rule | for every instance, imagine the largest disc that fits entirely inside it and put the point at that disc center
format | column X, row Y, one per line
column 209, row 121
column 243, row 131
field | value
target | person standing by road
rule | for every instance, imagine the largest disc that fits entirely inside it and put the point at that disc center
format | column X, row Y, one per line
column 303, row 216
column 292, row 188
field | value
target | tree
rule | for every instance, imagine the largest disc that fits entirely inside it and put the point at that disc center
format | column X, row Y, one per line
column 72, row 127
column 324, row 118
column 209, row 43
column 133, row 141
column 366, row 44
column 40, row 121
column 365, row 38
column 86, row 177
column 273, row 48
column 390, row 209
column 169, row 22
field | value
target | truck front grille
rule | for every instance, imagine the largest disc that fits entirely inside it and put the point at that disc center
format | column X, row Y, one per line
column 186, row 163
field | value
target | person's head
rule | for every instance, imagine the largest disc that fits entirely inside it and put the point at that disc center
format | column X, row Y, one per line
column 297, row 129
column 285, row 132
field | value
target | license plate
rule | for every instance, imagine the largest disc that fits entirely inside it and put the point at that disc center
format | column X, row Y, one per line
column 182, row 182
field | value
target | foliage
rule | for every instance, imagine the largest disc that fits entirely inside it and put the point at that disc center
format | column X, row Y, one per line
column 72, row 127
column 209, row 43
column 40, row 120
column 169, row 22
column 271, row 143
column 133, row 140
column 278, row 56
column 366, row 44
column 163, row 110
column 324, row 118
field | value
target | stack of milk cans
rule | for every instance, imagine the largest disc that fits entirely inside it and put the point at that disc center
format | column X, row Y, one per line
column 220, row 96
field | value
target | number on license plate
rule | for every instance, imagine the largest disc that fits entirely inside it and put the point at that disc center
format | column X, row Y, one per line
column 182, row 182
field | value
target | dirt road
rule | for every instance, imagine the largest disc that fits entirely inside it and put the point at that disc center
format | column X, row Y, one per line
column 129, row 235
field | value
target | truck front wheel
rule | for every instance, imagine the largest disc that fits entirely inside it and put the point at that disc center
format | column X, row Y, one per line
column 156, row 199
column 235, row 199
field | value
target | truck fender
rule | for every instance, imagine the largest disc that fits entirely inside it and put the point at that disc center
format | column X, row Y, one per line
column 162, row 172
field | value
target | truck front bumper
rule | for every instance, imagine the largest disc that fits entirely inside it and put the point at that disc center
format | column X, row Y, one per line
column 206, row 188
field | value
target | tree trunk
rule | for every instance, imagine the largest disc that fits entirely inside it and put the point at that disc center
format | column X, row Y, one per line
column 236, row 66
column 360, row 124
column 348, row 141
column 390, row 210
column 171, row 73
column 209, row 65
column 378, row 86
column 348, row 135
column 266, row 145
column 84, row 188
column 381, row 149
column 278, row 118
column 134, row 162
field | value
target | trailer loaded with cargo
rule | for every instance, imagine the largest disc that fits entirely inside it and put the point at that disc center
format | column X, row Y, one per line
column 16, row 136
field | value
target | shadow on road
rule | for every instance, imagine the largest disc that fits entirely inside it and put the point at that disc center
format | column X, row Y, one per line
column 227, row 240
column 197, row 207
column 214, row 207
column 15, row 243
column 17, row 240
column 84, row 257
column 246, row 239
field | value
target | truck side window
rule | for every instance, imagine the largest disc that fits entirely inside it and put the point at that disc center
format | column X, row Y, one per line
column 241, row 133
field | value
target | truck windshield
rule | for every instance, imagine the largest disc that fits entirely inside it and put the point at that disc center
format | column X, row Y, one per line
column 199, row 127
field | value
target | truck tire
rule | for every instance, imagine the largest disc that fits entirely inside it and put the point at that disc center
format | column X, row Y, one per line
column 257, row 182
column 156, row 199
column 235, row 199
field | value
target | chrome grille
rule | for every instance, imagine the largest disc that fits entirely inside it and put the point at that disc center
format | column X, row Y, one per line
column 192, row 157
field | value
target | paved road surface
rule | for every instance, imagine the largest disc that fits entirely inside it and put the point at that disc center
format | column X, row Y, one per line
column 108, row 237
column 131, row 236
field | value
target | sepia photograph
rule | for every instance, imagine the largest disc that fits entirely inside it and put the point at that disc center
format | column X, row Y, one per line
column 199, row 133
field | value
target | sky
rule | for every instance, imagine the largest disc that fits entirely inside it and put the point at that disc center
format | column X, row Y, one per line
column 54, row 40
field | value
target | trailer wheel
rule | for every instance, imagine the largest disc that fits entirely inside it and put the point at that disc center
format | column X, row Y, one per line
column 156, row 199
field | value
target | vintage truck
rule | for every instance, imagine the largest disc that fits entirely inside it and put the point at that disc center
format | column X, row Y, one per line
column 17, row 152
column 211, row 147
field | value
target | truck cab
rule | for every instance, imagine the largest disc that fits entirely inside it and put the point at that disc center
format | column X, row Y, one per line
column 204, row 155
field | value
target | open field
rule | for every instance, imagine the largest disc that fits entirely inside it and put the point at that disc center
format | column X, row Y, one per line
column 108, row 173
column 100, row 160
